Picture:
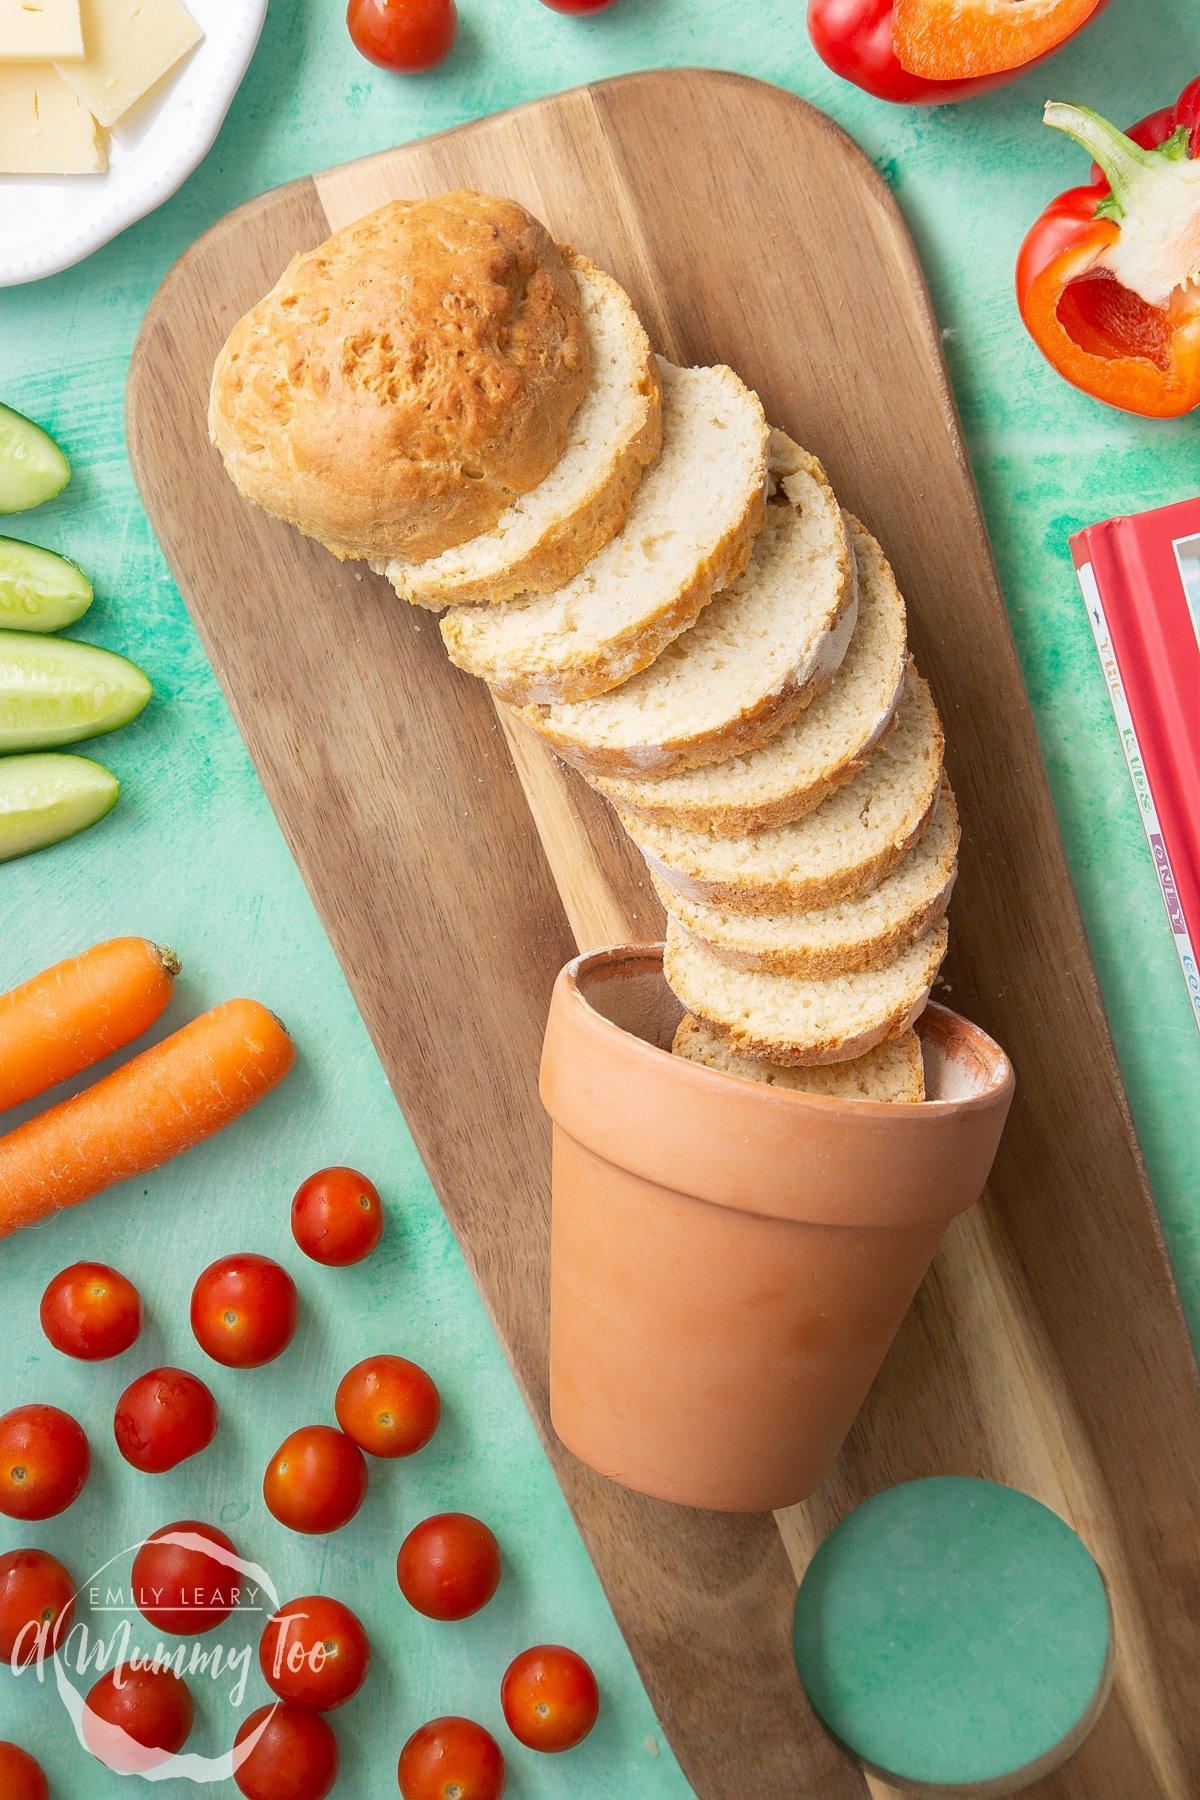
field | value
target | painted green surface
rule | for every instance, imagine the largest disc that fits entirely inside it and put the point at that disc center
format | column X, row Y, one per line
column 193, row 857
column 952, row 1631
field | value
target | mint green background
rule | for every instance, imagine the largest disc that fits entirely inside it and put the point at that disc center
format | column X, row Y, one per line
column 194, row 858
column 952, row 1631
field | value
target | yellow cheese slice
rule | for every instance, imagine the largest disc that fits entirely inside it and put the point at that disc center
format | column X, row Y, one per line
column 128, row 46
column 45, row 129
column 39, row 30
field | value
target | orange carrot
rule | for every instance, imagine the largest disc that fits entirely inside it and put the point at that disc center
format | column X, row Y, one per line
column 160, row 1103
column 72, row 1015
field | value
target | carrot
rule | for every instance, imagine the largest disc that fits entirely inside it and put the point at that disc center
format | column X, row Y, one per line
column 155, row 1106
column 72, row 1015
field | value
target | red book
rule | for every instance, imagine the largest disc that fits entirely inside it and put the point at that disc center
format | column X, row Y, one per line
column 1141, row 581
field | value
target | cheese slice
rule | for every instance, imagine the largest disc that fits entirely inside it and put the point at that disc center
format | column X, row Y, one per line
column 128, row 46
column 45, row 129
column 39, row 30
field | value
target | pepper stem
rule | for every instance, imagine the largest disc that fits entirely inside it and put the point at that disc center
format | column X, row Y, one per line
column 1126, row 165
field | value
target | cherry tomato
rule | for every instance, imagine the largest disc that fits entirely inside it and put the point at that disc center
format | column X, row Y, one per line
column 407, row 36
column 580, row 9
column 314, row 1653
column 37, row 1604
column 162, row 1418
column 91, row 1312
column 451, row 1757
column 134, row 1718
column 449, row 1566
column 295, row 1758
column 44, row 1462
column 550, row 1698
column 21, row 1777
column 179, row 1585
column 244, row 1311
column 388, row 1405
column 316, row 1481
column 337, row 1217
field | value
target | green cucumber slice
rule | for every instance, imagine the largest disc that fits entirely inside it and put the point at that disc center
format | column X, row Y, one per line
column 56, row 691
column 32, row 467
column 39, row 591
column 44, row 799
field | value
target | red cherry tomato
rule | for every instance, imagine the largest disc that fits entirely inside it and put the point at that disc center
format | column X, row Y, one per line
column 180, row 1586
column 550, row 1698
column 388, row 1405
column 580, row 9
column 135, row 1718
column 407, row 36
column 314, row 1653
column 294, row 1758
column 37, row 1604
column 21, row 1777
column 316, row 1481
column 449, row 1566
column 44, row 1462
column 337, row 1217
column 91, row 1312
column 451, row 1757
column 244, row 1311
column 162, row 1418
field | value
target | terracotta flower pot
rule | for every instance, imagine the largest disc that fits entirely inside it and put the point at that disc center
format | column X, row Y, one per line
column 730, row 1261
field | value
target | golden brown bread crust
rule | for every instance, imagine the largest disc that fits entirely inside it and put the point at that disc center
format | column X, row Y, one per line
column 626, row 655
column 666, row 803
column 740, row 1034
column 569, row 542
column 689, row 1042
column 573, row 537
column 821, row 964
column 404, row 381
column 832, row 1050
column 639, row 800
column 850, row 956
column 800, row 893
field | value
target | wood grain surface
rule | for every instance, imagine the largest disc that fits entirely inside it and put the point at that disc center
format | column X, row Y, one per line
column 456, row 866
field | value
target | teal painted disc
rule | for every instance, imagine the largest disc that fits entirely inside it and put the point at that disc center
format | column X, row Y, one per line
column 952, row 1631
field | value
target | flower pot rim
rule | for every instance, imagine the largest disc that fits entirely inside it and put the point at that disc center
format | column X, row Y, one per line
column 766, row 1095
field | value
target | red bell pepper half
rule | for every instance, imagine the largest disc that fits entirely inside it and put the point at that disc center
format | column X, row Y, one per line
column 1108, row 278
column 932, row 51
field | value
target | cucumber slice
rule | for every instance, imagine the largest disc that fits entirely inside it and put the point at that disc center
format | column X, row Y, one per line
column 32, row 467
column 39, row 591
column 44, row 799
column 55, row 691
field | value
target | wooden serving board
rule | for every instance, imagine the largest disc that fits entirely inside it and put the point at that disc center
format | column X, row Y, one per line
column 456, row 866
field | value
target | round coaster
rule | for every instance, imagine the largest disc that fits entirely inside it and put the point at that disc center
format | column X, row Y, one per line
column 955, row 1633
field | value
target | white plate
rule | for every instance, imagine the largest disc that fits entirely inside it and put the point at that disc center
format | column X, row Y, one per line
column 49, row 222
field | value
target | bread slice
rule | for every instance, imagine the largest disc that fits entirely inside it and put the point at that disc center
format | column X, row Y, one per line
column 787, row 1019
column 892, row 1073
column 852, row 934
column 769, row 642
column 690, row 528
column 839, row 852
column 819, row 751
column 547, row 534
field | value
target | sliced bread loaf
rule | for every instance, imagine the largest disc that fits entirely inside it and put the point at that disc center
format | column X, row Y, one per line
column 769, row 642
column 853, row 934
column 842, row 850
column 820, row 750
column 690, row 528
column 892, row 1072
column 550, row 532
column 787, row 1019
